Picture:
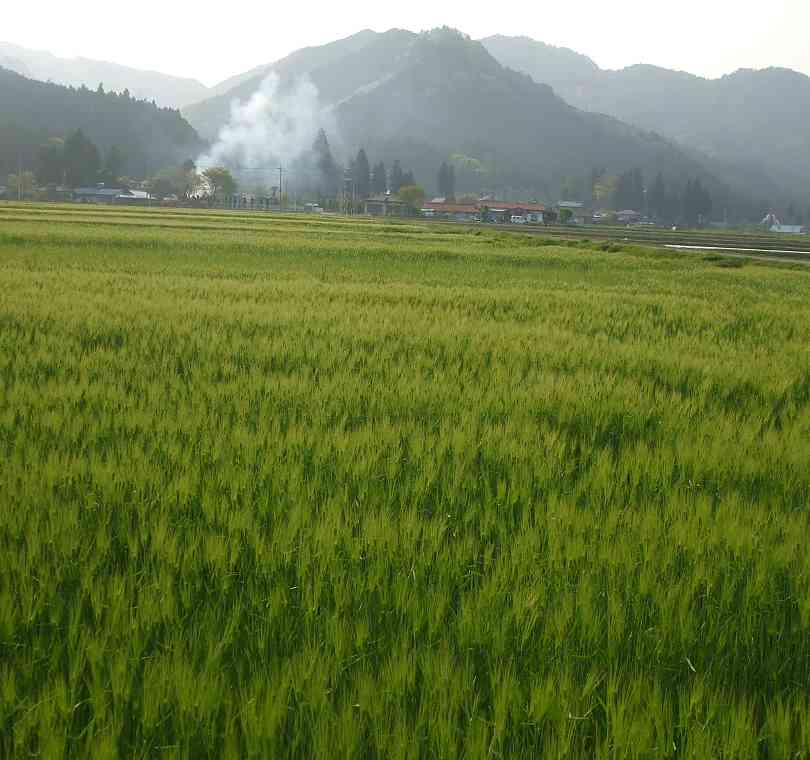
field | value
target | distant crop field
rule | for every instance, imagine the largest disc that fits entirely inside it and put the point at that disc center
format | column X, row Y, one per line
column 309, row 487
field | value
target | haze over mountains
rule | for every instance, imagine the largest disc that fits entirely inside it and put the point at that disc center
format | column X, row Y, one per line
column 753, row 121
column 530, row 134
column 522, row 117
column 165, row 90
column 421, row 98
column 34, row 112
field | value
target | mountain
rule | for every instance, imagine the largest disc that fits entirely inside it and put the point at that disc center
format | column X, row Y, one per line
column 561, row 67
column 754, row 121
column 149, row 137
column 421, row 98
column 210, row 115
column 165, row 90
column 306, row 58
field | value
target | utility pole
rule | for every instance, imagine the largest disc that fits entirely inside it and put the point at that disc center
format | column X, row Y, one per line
column 19, row 176
column 280, row 186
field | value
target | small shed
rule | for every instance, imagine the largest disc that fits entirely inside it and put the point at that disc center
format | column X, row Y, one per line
column 385, row 205
column 788, row 229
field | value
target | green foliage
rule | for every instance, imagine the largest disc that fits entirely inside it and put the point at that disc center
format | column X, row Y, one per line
column 697, row 204
column 752, row 123
column 220, row 181
column 629, row 192
column 329, row 178
column 51, row 162
column 396, row 177
column 659, row 202
column 182, row 181
column 447, row 181
column 361, row 175
column 379, row 179
column 114, row 163
column 413, row 195
column 21, row 185
column 81, row 161
column 284, row 488
column 33, row 112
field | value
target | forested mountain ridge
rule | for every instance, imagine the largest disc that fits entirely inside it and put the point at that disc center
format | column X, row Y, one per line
column 308, row 57
column 422, row 98
column 146, row 136
column 337, row 68
column 752, row 121
column 164, row 89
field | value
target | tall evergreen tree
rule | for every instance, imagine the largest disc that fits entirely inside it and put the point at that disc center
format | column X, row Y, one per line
column 327, row 168
column 51, row 162
column 637, row 201
column 114, row 163
column 362, row 175
column 596, row 176
column 441, row 180
column 82, row 162
column 688, row 211
column 447, row 181
column 396, row 177
column 629, row 192
column 408, row 179
column 704, row 203
column 379, row 179
column 658, row 198
column 696, row 203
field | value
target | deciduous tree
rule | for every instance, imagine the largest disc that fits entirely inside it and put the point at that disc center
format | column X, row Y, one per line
column 220, row 181
column 413, row 195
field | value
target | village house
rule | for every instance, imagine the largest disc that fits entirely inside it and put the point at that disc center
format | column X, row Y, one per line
column 95, row 194
column 385, row 205
column 579, row 213
column 789, row 229
column 628, row 216
column 459, row 212
column 112, row 195
column 133, row 198
column 532, row 213
column 488, row 211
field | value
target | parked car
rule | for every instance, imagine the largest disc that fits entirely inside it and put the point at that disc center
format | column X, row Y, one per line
column 517, row 219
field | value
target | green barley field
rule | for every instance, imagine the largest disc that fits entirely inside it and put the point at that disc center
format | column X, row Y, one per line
column 317, row 488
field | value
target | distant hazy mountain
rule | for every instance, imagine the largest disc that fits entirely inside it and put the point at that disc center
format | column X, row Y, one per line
column 148, row 137
column 165, row 90
column 755, row 122
column 308, row 57
column 561, row 67
column 422, row 98
column 210, row 115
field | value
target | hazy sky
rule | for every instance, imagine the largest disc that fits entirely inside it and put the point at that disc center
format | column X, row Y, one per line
column 213, row 40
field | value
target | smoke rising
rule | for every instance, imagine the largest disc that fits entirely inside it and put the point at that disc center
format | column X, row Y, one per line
column 276, row 126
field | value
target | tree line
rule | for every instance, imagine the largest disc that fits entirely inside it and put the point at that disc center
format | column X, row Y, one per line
column 691, row 203
column 360, row 179
column 367, row 181
column 33, row 113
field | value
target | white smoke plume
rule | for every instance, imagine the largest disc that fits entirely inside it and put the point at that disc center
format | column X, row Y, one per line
column 275, row 126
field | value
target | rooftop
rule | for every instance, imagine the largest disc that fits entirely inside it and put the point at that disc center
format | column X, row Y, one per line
column 474, row 208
